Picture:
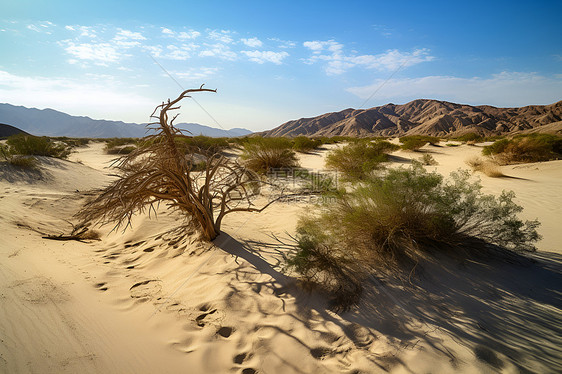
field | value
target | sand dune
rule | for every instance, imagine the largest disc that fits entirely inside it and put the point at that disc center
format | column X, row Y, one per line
column 154, row 300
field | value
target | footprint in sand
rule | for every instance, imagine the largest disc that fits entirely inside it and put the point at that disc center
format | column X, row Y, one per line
column 101, row 286
column 249, row 371
column 210, row 316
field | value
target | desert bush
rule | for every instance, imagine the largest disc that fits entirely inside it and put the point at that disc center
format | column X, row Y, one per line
column 262, row 154
column 305, row 144
column 73, row 142
column 158, row 171
column 202, row 144
column 470, row 137
column 30, row 145
column 26, row 162
column 526, row 148
column 410, row 143
column 428, row 160
column 488, row 167
column 390, row 221
column 120, row 150
column 356, row 161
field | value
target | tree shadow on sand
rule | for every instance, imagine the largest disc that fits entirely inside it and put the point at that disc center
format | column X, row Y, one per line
column 503, row 306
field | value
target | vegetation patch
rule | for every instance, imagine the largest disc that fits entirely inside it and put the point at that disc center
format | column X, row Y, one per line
column 526, row 148
column 357, row 161
column 386, row 223
column 263, row 154
column 29, row 145
column 305, row 144
column 415, row 142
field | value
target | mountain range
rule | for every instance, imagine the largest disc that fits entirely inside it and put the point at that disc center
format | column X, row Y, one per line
column 426, row 117
column 50, row 122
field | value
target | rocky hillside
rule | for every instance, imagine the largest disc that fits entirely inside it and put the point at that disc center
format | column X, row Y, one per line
column 426, row 117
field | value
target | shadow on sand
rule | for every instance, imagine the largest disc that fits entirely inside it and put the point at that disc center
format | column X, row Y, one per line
column 502, row 306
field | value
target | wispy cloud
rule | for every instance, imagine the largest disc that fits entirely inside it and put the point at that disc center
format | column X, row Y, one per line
column 337, row 62
column 99, row 53
column 266, row 56
column 194, row 74
column 181, row 35
column 223, row 36
column 252, row 42
column 504, row 89
column 218, row 50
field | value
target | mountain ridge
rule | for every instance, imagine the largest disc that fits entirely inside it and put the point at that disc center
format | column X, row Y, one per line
column 51, row 122
column 425, row 117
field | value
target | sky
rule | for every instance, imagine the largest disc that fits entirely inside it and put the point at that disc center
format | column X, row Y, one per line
column 273, row 61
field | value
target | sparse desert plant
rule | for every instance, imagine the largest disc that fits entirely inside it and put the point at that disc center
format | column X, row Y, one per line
column 412, row 144
column 470, row 137
column 264, row 154
column 526, row 148
column 488, row 167
column 356, row 161
column 391, row 220
column 428, row 160
column 160, row 172
column 202, row 144
column 29, row 145
column 25, row 162
column 305, row 144
column 120, row 150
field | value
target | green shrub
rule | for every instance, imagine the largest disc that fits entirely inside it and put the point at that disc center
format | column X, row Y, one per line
column 470, row 137
column 356, row 161
column 428, row 160
column 262, row 154
column 526, row 148
column 25, row 162
column 29, row 145
column 388, row 222
column 120, row 150
column 202, row 144
column 305, row 144
column 415, row 142
column 117, row 142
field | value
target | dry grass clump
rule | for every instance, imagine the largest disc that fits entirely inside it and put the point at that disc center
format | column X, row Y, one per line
column 387, row 223
column 305, row 144
column 159, row 171
column 488, row 167
column 29, row 145
column 415, row 142
column 263, row 154
column 526, row 148
column 358, row 160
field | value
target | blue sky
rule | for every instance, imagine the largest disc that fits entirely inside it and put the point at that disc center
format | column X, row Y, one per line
column 275, row 61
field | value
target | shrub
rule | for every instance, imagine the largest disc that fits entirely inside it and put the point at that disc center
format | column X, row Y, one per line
column 263, row 154
column 120, row 150
column 428, row 160
column 526, row 148
column 488, row 167
column 305, row 144
column 202, row 144
column 30, row 145
column 356, row 161
column 389, row 221
column 470, row 137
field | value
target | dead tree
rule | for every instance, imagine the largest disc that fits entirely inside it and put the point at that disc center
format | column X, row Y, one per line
column 161, row 170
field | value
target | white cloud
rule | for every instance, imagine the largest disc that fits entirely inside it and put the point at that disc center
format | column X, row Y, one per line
column 100, row 53
column 194, row 74
column 153, row 50
column 284, row 43
column 337, row 62
column 223, row 36
column 41, row 27
column 176, row 53
column 191, row 34
column 218, row 50
column 182, row 35
column 266, row 56
column 252, row 42
column 508, row 89
column 127, row 34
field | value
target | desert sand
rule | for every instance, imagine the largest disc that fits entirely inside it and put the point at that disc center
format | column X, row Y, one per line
column 154, row 300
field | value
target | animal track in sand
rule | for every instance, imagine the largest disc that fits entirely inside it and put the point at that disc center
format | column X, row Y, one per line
column 240, row 358
column 249, row 371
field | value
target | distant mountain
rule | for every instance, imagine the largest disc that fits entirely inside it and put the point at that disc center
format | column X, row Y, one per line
column 7, row 130
column 426, row 117
column 54, row 123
